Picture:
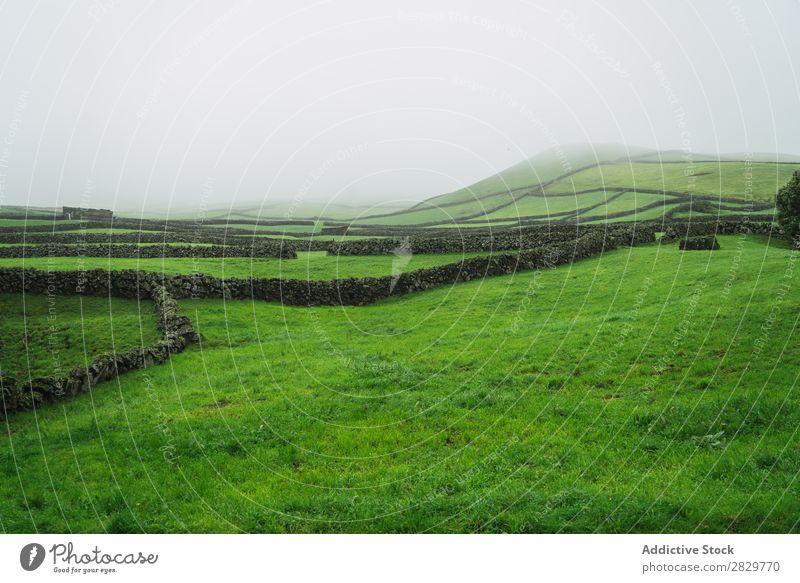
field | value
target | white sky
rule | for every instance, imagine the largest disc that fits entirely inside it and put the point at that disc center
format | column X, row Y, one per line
column 156, row 105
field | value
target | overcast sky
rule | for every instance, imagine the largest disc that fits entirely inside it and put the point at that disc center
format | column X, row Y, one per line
column 181, row 105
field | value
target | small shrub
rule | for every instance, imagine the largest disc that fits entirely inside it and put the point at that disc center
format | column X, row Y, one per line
column 712, row 440
column 787, row 202
column 708, row 242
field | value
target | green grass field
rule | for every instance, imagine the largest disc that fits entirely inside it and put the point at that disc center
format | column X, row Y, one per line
column 597, row 216
column 760, row 181
column 539, row 169
column 45, row 337
column 308, row 265
column 645, row 390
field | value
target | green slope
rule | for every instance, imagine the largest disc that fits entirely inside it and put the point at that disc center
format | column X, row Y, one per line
column 594, row 178
column 540, row 169
column 506, row 187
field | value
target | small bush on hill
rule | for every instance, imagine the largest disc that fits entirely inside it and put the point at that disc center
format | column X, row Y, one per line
column 708, row 242
column 788, row 204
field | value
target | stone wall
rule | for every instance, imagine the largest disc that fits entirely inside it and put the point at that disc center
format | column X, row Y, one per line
column 79, row 213
column 245, row 246
column 512, row 239
column 204, row 238
column 704, row 243
column 29, row 238
column 188, row 226
column 678, row 230
column 149, row 251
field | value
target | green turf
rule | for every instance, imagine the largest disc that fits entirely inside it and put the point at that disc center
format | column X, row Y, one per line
column 727, row 179
column 627, row 202
column 426, row 215
column 637, row 391
column 597, row 216
column 766, row 212
column 587, row 203
column 44, row 336
column 538, row 170
column 503, row 195
column 539, row 205
column 308, row 265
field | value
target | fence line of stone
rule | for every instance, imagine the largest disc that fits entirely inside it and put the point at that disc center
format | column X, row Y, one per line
column 153, row 224
column 679, row 230
column 148, row 251
column 520, row 238
column 158, row 238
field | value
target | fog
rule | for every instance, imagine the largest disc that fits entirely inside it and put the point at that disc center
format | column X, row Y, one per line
column 182, row 106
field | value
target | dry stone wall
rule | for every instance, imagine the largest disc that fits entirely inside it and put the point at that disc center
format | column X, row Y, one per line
column 148, row 251
column 706, row 242
column 678, row 230
column 512, row 239
column 159, row 238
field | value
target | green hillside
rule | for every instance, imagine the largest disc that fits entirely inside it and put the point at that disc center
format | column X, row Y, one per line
column 588, row 184
column 540, row 169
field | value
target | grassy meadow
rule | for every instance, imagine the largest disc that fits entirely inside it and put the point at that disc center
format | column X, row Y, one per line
column 310, row 265
column 644, row 390
column 536, row 189
column 759, row 180
column 43, row 336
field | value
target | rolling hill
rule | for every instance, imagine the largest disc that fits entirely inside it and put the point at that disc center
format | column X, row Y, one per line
column 608, row 183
